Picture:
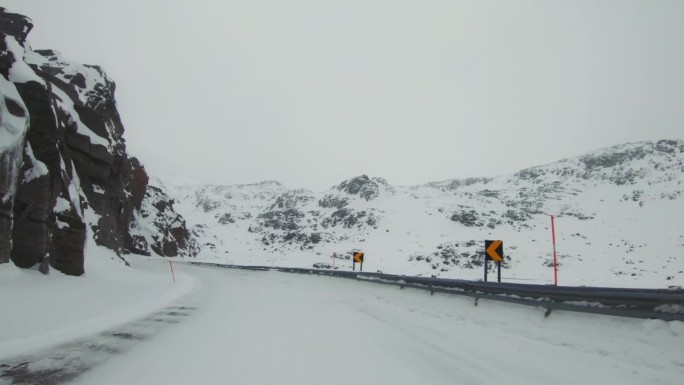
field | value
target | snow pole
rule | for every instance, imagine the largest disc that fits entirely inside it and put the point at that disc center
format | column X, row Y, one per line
column 172, row 273
column 555, row 259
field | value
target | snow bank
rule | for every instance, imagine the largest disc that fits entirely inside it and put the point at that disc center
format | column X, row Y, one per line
column 36, row 312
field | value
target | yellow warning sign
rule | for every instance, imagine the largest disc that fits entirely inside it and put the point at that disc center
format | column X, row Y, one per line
column 358, row 257
column 494, row 250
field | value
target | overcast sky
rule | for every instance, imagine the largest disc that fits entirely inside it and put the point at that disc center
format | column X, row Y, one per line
column 312, row 92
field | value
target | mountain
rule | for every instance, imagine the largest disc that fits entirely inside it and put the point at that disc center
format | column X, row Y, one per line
column 66, row 180
column 615, row 214
column 65, row 175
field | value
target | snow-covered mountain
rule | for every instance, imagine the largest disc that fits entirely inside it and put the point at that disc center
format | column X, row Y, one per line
column 66, row 178
column 617, row 219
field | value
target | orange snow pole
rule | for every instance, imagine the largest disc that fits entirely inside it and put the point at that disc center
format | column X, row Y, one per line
column 555, row 259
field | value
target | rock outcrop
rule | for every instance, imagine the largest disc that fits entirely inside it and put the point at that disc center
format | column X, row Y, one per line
column 158, row 228
column 65, row 170
column 363, row 186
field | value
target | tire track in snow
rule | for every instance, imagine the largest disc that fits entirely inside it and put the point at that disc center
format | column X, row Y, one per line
column 65, row 362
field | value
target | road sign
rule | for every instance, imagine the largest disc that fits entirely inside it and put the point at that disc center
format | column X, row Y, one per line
column 494, row 250
column 357, row 257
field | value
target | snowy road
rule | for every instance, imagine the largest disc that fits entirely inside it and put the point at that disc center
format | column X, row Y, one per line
column 262, row 328
column 275, row 328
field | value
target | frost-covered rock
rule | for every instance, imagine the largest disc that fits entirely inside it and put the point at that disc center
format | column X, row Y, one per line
column 292, row 199
column 330, row 201
column 158, row 228
column 14, row 122
column 364, row 187
column 65, row 171
column 349, row 218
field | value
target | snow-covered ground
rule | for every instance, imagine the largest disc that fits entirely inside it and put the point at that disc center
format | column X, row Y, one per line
column 261, row 328
column 41, row 311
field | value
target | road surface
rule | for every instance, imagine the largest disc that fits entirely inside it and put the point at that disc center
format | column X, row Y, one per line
column 250, row 327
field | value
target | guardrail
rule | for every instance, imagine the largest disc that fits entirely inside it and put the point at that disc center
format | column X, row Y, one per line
column 664, row 304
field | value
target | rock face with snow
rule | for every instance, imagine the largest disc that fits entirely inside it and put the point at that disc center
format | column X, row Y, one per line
column 158, row 228
column 280, row 219
column 65, row 170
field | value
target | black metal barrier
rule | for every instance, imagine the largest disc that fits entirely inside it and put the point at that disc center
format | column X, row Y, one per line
column 664, row 304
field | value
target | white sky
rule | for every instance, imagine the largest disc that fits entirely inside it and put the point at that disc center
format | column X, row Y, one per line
column 311, row 92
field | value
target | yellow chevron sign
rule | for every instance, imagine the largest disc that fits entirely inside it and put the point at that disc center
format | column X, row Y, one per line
column 358, row 257
column 494, row 250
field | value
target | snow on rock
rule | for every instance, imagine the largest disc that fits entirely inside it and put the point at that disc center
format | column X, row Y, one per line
column 613, row 210
column 73, row 151
column 14, row 123
column 222, row 215
column 39, row 168
column 159, row 228
column 14, row 25
column 91, row 86
column 364, row 187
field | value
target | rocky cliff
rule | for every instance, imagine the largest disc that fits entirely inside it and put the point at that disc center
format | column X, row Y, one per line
column 64, row 171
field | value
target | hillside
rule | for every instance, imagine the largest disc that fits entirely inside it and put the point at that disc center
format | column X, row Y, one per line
column 614, row 218
column 67, row 180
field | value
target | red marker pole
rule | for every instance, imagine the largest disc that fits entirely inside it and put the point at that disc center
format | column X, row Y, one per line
column 172, row 274
column 555, row 259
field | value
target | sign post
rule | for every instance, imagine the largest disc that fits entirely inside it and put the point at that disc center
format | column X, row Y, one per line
column 493, row 252
column 357, row 257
